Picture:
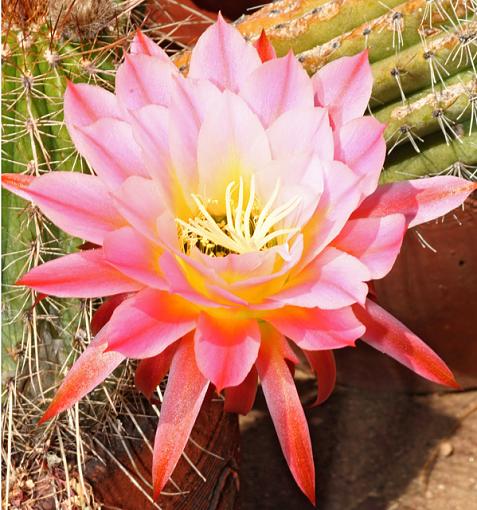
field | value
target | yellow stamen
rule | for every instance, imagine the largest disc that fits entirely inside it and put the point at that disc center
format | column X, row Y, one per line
column 233, row 233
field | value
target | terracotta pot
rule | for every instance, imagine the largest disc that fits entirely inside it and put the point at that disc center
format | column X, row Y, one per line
column 435, row 295
column 215, row 431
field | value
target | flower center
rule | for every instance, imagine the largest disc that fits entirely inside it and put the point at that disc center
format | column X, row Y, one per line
column 245, row 228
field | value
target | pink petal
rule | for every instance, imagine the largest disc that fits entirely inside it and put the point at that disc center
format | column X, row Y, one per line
column 340, row 197
column 301, row 131
column 146, row 324
column 142, row 80
column 232, row 143
column 140, row 202
column 239, row 399
column 376, row 242
column 150, row 128
column 344, row 87
column 85, row 274
column 102, row 315
column 324, row 366
column 18, row 184
column 191, row 99
column 143, row 45
column 276, row 87
column 360, row 145
column 185, row 392
column 420, row 200
column 226, row 347
column 286, row 411
column 222, row 56
column 83, row 208
column 134, row 256
column 91, row 368
column 151, row 371
column 388, row 335
column 85, row 104
column 333, row 280
column 109, row 147
column 264, row 48
column 316, row 329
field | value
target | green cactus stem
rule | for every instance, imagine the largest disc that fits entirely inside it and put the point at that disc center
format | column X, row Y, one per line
column 457, row 157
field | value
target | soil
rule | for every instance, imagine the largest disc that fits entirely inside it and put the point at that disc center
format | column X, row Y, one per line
column 373, row 451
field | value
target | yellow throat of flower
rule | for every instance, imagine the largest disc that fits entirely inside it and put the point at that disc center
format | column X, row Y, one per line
column 245, row 227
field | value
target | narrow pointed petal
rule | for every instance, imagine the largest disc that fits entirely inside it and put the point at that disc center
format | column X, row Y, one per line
column 83, row 208
column 151, row 371
column 18, row 184
column 91, row 368
column 360, row 145
column 85, row 104
column 109, row 147
column 286, row 411
column 85, row 275
column 264, row 48
column 316, row 329
column 239, row 399
column 226, row 348
column 142, row 79
column 102, row 315
column 134, row 256
column 324, row 366
column 386, row 334
column 185, row 392
column 276, row 87
column 333, row 280
column 420, row 200
column 344, row 87
column 376, row 242
column 146, row 324
column 222, row 56
column 144, row 45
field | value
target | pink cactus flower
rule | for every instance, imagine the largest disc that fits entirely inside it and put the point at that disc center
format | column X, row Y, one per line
column 235, row 213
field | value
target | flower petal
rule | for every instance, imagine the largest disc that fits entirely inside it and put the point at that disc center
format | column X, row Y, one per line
column 226, row 347
column 232, row 144
column 301, row 131
column 109, row 147
column 276, row 87
column 360, row 145
column 386, row 334
column 191, row 99
column 316, row 329
column 420, row 200
column 324, row 366
column 18, row 184
column 142, row 79
column 134, row 256
column 222, row 56
column 151, row 371
column 344, row 87
column 146, row 324
column 85, row 274
column 333, row 280
column 91, row 368
column 102, row 315
column 376, row 242
column 239, row 399
column 185, row 392
column 85, row 104
column 340, row 197
column 143, row 45
column 264, row 48
column 286, row 410
column 77, row 203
